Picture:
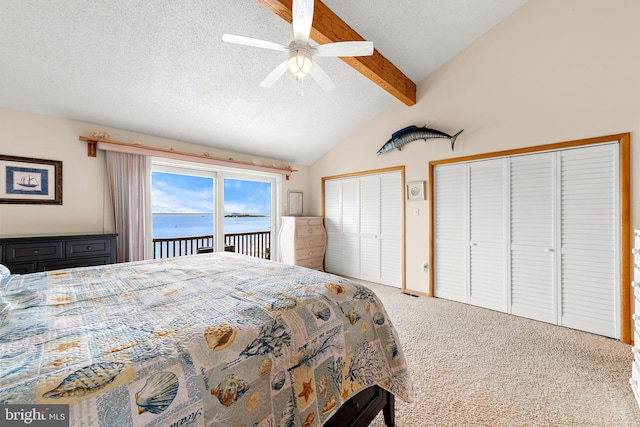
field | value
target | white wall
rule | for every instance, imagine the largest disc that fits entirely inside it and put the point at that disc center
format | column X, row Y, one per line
column 86, row 199
column 554, row 71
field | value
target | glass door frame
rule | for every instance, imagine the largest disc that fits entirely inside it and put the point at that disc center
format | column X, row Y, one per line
column 218, row 173
column 276, row 192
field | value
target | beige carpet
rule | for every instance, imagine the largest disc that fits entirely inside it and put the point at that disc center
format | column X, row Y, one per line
column 477, row 367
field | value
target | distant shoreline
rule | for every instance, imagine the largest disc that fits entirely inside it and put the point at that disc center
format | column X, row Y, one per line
column 239, row 215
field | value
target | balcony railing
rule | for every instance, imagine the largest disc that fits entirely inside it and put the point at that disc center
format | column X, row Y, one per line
column 257, row 244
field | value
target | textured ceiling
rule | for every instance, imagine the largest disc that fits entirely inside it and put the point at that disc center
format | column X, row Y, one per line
column 159, row 67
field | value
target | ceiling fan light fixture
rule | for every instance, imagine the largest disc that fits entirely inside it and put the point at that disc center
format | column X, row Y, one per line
column 300, row 62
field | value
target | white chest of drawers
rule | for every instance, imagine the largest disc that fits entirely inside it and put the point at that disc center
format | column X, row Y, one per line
column 303, row 241
column 635, row 365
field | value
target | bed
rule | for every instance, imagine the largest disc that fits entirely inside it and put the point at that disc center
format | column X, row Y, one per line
column 209, row 339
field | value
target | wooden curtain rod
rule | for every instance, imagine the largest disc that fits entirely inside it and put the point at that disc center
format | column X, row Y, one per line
column 93, row 144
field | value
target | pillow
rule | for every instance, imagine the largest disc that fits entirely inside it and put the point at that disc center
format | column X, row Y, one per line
column 4, row 274
column 4, row 277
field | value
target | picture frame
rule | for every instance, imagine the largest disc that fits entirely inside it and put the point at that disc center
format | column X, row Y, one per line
column 295, row 203
column 416, row 190
column 25, row 180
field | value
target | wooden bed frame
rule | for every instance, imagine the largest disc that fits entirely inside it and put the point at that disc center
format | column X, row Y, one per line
column 362, row 408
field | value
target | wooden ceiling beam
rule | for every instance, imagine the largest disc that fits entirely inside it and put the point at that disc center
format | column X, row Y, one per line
column 327, row 27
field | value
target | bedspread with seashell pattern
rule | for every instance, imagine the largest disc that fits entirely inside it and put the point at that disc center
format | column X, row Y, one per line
column 210, row 339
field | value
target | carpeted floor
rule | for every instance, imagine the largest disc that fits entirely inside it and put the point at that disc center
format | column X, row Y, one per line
column 477, row 367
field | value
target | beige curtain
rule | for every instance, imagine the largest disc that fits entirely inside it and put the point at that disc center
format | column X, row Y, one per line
column 127, row 179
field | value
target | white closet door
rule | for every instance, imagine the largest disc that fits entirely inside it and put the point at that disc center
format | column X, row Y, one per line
column 487, row 228
column 451, row 232
column 532, row 199
column 391, row 233
column 333, row 225
column 351, row 227
column 369, row 228
column 589, row 221
column 364, row 220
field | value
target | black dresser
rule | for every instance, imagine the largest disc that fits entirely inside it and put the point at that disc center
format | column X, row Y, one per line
column 43, row 253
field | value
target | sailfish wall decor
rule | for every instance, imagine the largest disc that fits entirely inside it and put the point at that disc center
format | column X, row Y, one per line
column 413, row 133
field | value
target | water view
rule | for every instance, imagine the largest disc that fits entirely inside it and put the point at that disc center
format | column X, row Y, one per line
column 201, row 224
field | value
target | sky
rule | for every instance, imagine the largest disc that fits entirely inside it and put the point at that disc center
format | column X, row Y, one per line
column 173, row 193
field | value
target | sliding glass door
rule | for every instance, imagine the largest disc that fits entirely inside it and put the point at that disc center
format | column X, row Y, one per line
column 197, row 208
column 183, row 211
column 247, row 216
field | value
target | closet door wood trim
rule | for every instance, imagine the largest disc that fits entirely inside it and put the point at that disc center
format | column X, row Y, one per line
column 624, row 142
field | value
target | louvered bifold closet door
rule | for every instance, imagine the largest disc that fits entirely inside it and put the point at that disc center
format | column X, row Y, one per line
column 532, row 199
column 487, row 226
column 590, row 230
column 333, row 225
column 450, row 232
column 391, row 233
column 369, row 226
column 351, row 227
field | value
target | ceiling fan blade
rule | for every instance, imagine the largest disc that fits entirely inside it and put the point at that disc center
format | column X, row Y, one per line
column 322, row 78
column 345, row 49
column 250, row 41
column 302, row 12
column 275, row 74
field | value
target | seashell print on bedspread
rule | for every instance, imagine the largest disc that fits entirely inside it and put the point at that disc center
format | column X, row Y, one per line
column 210, row 339
column 86, row 380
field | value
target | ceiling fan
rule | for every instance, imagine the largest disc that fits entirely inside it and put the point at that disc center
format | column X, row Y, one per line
column 301, row 53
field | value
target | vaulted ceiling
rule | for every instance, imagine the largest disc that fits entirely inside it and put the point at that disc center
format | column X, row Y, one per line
column 160, row 67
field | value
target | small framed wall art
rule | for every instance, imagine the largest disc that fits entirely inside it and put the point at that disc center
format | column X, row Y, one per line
column 26, row 180
column 416, row 190
column 295, row 203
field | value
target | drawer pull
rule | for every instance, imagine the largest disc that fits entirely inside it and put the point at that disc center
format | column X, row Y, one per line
column 310, row 253
column 310, row 231
column 36, row 252
column 89, row 248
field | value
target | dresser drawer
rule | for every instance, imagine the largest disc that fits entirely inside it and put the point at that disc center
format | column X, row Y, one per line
column 313, row 263
column 313, row 252
column 309, row 242
column 72, row 263
column 309, row 230
column 308, row 221
column 24, row 252
column 26, row 267
column 85, row 248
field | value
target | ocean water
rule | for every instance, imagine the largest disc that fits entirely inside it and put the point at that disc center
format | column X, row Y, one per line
column 184, row 225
